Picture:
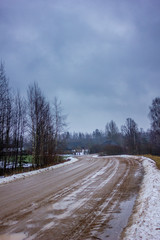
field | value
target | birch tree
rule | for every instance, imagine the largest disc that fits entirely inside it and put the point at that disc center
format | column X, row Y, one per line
column 40, row 125
column 59, row 122
column 19, row 127
column 5, row 116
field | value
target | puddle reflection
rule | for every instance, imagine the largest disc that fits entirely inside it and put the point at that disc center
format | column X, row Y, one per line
column 119, row 220
column 13, row 236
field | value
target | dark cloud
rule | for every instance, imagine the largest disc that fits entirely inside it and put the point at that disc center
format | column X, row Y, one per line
column 101, row 58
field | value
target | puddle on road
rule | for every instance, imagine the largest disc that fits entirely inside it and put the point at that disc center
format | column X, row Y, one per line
column 119, row 220
column 13, row 236
column 122, row 212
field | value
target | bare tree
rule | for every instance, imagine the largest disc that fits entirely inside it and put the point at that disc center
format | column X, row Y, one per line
column 19, row 125
column 41, row 125
column 154, row 115
column 130, row 133
column 5, row 116
column 35, row 107
column 59, row 122
column 112, row 131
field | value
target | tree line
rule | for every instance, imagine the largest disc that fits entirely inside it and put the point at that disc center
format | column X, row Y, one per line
column 29, row 126
column 127, row 140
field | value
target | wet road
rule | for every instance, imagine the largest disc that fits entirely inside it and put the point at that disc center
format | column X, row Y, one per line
column 89, row 199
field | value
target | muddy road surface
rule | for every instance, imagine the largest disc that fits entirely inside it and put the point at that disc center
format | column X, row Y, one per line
column 89, row 199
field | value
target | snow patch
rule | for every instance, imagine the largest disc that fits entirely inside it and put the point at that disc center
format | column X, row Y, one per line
column 95, row 156
column 27, row 174
column 146, row 219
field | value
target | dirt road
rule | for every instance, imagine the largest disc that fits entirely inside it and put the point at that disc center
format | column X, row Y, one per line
column 89, row 199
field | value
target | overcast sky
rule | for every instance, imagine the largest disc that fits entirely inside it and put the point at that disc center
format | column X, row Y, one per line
column 101, row 58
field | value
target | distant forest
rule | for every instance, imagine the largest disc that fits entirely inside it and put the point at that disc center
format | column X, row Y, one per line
column 33, row 131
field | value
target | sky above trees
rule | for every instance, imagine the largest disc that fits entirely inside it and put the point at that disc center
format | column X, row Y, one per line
column 100, row 58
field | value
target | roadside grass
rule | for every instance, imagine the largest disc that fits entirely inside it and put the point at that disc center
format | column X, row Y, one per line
column 155, row 158
column 27, row 159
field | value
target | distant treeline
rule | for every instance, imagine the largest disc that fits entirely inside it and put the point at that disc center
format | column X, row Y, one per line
column 128, row 140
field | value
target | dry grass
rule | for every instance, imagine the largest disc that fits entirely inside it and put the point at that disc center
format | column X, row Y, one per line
column 155, row 158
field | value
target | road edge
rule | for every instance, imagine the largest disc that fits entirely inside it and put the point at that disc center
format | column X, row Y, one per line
column 31, row 173
column 144, row 222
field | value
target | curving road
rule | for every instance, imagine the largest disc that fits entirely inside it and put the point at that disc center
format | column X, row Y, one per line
column 89, row 199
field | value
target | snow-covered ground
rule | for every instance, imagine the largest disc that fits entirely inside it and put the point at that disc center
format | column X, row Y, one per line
column 146, row 219
column 23, row 175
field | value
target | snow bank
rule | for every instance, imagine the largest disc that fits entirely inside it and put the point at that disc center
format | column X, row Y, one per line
column 146, row 219
column 23, row 175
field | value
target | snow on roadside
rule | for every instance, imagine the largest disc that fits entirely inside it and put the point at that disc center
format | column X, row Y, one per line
column 146, row 219
column 26, row 174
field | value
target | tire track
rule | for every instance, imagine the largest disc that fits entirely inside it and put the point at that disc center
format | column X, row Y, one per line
column 76, row 202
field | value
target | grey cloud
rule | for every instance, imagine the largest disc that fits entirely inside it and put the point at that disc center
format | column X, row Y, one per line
column 100, row 57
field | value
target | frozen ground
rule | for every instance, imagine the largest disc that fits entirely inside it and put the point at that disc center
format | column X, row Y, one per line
column 23, row 175
column 145, row 222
